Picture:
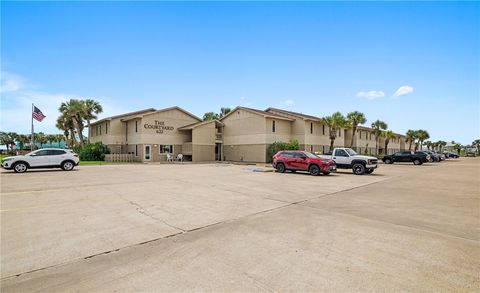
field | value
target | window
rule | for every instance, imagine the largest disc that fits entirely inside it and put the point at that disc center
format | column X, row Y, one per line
column 136, row 150
column 41, row 153
column 106, row 128
column 360, row 133
column 323, row 129
column 136, row 126
column 341, row 153
column 311, row 127
column 311, row 148
column 287, row 154
column 340, row 132
column 100, row 129
column 273, row 126
column 166, row 149
column 299, row 155
column 56, row 152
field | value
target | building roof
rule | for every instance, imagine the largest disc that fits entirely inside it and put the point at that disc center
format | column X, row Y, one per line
column 197, row 124
column 139, row 112
column 295, row 114
column 166, row 109
column 258, row 112
column 360, row 127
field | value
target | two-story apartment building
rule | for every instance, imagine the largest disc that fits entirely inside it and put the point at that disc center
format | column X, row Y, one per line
column 244, row 134
column 152, row 134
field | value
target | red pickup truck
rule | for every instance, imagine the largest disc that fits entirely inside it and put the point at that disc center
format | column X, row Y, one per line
column 302, row 161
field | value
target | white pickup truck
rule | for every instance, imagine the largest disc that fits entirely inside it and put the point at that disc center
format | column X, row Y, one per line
column 346, row 158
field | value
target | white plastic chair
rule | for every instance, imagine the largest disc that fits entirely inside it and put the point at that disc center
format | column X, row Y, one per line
column 169, row 158
column 180, row 157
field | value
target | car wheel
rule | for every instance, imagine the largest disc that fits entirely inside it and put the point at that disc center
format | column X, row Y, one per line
column 388, row 161
column 68, row 165
column 358, row 169
column 314, row 170
column 280, row 168
column 20, row 167
column 369, row 171
column 417, row 162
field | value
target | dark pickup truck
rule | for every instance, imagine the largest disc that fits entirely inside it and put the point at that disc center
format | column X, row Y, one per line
column 416, row 158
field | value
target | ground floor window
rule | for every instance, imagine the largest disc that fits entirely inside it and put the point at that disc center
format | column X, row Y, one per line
column 166, row 149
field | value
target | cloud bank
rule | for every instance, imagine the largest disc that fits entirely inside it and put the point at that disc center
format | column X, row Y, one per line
column 371, row 95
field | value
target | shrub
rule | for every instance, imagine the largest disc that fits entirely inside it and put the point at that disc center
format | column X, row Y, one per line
column 281, row 146
column 92, row 152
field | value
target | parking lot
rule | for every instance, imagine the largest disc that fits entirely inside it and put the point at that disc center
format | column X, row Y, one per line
column 222, row 227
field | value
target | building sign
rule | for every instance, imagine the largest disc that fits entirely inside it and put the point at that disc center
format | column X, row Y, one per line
column 158, row 126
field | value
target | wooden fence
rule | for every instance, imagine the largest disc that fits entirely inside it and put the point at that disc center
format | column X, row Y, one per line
column 119, row 157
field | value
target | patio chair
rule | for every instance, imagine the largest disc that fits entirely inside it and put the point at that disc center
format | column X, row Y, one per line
column 169, row 158
column 180, row 157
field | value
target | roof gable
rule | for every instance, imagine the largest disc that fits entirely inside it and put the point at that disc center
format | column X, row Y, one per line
column 258, row 112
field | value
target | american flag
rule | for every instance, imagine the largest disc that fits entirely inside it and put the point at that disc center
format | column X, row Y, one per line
column 37, row 114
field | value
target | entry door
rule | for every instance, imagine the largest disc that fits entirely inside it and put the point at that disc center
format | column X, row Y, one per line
column 147, row 154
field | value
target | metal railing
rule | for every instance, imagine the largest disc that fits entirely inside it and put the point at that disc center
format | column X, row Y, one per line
column 119, row 158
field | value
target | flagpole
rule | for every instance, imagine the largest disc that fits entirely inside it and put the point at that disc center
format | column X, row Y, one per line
column 32, row 139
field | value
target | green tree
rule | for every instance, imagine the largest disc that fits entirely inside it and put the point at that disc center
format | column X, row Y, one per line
column 476, row 144
column 92, row 108
column 378, row 126
column 335, row 122
column 388, row 136
column 422, row 135
column 411, row 135
column 23, row 139
column 65, row 123
column 75, row 110
column 41, row 138
column 224, row 111
column 8, row 139
column 210, row 116
column 355, row 118
column 429, row 144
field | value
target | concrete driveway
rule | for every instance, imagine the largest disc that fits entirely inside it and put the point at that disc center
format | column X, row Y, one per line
column 218, row 227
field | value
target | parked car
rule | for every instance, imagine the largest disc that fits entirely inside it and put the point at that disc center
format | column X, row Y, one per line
column 435, row 157
column 302, row 161
column 452, row 155
column 417, row 158
column 346, row 158
column 43, row 158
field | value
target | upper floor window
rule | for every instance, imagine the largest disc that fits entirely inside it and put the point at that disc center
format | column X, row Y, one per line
column 100, row 129
column 360, row 134
column 273, row 126
column 323, row 129
column 106, row 128
column 136, row 126
column 340, row 132
column 311, row 127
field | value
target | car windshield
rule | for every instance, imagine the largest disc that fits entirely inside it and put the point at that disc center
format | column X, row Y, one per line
column 351, row 152
column 310, row 155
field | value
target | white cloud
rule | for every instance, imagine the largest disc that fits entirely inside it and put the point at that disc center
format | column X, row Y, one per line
column 403, row 90
column 10, row 82
column 371, row 95
column 17, row 102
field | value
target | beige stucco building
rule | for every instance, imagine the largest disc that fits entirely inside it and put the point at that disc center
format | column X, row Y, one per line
column 244, row 134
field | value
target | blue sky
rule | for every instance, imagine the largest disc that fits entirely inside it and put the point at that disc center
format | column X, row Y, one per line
column 413, row 65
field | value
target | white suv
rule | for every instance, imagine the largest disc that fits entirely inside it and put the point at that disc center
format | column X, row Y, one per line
column 43, row 158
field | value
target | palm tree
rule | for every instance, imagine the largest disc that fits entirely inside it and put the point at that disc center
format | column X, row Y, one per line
column 388, row 135
column 411, row 134
column 77, row 111
column 355, row 118
column 59, row 138
column 92, row 109
column 23, row 140
column 40, row 138
column 210, row 116
column 224, row 111
column 335, row 122
column 378, row 126
column 65, row 123
column 429, row 144
column 51, row 138
column 7, row 139
column 421, row 136
column 476, row 144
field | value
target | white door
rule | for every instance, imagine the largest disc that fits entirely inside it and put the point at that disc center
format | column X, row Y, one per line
column 39, row 158
column 147, row 154
column 341, row 157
